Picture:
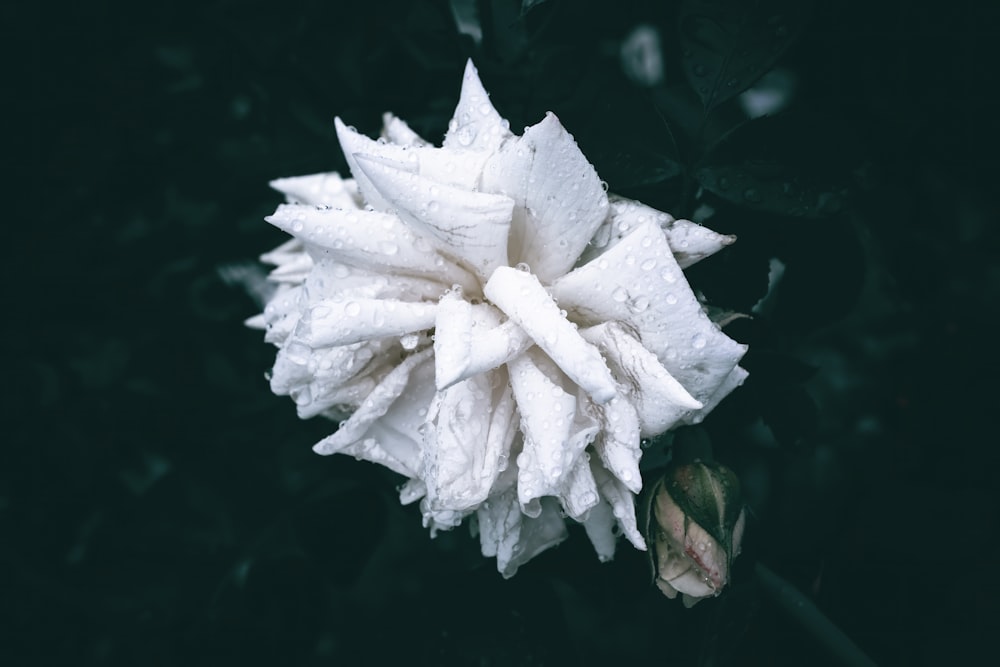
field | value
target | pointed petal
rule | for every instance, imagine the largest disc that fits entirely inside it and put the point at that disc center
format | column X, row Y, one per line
column 618, row 442
column 396, row 131
column 293, row 271
column 441, row 519
column 623, row 216
column 288, row 251
column 326, row 189
column 622, row 504
column 579, row 494
column 368, row 239
column 469, row 226
column 452, row 339
column 468, row 340
column 353, row 143
column 692, row 243
column 600, row 529
column 735, row 378
column 555, row 430
column 659, row 399
column 559, row 200
column 256, row 322
column 476, row 125
column 525, row 301
column 339, row 378
column 514, row 538
column 412, row 491
column 331, row 279
column 340, row 322
column 281, row 313
column 446, row 166
column 472, row 425
column 638, row 282
column 298, row 363
column 415, row 373
column 689, row 241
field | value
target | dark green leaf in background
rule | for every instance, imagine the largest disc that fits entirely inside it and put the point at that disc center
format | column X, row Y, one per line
column 793, row 164
column 729, row 44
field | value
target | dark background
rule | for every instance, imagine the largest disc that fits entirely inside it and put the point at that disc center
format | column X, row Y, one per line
column 158, row 506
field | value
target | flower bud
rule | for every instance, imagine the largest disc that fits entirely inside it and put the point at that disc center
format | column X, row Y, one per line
column 695, row 522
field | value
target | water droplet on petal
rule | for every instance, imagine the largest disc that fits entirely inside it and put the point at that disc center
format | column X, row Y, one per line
column 353, row 309
column 409, row 341
column 388, row 248
column 698, row 341
column 303, row 397
column 619, row 295
column 297, row 353
column 648, row 265
column 639, row 304
column 670, row 298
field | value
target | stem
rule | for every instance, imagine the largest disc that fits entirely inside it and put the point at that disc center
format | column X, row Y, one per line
column 811, row 618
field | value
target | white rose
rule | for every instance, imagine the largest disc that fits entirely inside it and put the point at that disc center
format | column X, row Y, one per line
column 490, row 325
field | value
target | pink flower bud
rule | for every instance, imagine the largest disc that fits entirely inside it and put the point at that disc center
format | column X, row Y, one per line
column 695, row 524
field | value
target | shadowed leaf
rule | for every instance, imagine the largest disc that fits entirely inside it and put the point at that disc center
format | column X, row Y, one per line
column 791, row 164
column 729, row 44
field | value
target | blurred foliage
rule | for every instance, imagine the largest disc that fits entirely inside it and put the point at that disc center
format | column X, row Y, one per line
column 159, row 507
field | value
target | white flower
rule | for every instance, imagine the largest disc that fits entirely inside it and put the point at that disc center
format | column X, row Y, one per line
column 491, row 326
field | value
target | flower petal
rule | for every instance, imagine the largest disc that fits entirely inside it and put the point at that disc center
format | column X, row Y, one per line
column 600, row 529
column 396, row 131
column 692, row 242
column 470, row 226
column 555, row 430
column 660, row 400
column 353, row 143
column 735, row 378
column 294, row 271
column 441, row 518
column 281, row 313
column 412, row 491
column 622, row 504
column 392, row 443
column 468, row 340
column 326, row 189
column 368, row 239
column 579, row 492
column 638, row 282
column 515, row 538
column 447, row 166
column 476, row 124
column 472, row 426
column 559, row 200
column 618, row 442
column 689, row 241
column 523, row 299
column 340, row 322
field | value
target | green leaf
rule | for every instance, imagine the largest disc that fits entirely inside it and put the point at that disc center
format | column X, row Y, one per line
column 729, row 44
column 791, row 164
column 628, row 166
column 630, row 142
